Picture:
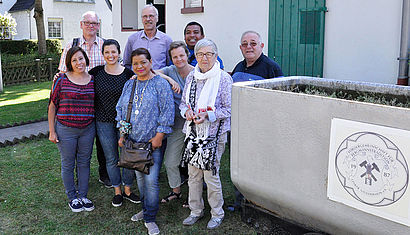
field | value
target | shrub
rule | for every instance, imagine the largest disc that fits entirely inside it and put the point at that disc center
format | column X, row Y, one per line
column 24, row 47
column 7, row 26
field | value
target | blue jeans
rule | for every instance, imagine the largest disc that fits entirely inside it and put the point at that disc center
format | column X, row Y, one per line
column 76, row 146
column 149, row 188
column 109, row 135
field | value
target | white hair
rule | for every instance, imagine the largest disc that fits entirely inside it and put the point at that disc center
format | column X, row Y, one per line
column 254, row 32
column 91, row 13
column 150, row 6
column 205, row 43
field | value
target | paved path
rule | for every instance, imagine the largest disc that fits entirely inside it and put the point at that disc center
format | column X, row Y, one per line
column 24, row 131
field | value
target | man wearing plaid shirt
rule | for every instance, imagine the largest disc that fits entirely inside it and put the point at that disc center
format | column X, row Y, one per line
column 90, row 42
column 92, row 45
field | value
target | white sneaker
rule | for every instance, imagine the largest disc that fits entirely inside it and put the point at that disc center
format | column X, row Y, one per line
column 137, row 217
column 152, row 228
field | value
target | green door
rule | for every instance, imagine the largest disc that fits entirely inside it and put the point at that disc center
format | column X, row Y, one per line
column 296, row 35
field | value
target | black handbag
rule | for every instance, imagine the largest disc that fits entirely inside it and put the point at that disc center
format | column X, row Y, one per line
column 134, row 155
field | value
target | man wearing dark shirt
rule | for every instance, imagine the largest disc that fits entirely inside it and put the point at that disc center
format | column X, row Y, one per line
column 256, row 65
column 194, row 32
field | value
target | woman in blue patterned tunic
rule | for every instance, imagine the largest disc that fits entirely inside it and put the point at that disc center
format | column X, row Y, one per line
column 151, row 119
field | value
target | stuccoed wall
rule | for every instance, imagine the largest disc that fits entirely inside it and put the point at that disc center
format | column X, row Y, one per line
column 280, row 153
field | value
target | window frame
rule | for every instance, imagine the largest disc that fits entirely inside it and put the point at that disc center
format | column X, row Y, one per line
column 54, row 20
column 76, row 1
column 190, row 10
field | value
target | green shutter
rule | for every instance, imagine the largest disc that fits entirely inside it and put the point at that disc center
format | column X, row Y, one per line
column 296, row 33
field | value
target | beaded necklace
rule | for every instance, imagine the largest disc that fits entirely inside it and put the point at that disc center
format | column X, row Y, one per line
column 136, row 98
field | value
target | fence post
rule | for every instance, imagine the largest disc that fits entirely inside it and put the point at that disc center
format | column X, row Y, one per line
column 50, row 68
column 1, row 76
column 38, row 69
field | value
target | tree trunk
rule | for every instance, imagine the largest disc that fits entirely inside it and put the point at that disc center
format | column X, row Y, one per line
column 41, row 34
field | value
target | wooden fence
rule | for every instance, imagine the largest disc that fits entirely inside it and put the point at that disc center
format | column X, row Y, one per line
column 38, row 70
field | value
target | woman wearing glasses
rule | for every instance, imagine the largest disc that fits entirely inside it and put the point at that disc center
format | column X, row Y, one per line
column 206, row 106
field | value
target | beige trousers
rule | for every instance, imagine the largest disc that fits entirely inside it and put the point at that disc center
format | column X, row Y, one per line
column 213, row 182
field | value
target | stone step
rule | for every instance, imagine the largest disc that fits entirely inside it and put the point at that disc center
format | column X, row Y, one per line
column 13, row 135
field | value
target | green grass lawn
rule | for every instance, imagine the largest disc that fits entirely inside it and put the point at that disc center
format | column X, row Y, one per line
column 24, row 102
column 32, row 199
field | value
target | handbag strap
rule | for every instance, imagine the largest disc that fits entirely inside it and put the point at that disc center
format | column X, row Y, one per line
column 129, row 110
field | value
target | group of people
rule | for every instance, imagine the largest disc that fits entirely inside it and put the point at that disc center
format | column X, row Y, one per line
column 181, row 94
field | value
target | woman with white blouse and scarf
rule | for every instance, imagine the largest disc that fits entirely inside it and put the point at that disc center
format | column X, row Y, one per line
column 206, row 106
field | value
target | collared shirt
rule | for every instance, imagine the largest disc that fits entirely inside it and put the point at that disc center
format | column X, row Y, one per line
column 263, row 68
column 157, row 46
column 93, row 50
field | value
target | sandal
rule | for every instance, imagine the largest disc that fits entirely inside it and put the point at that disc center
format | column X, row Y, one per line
column 171, row 196
column 185, row 204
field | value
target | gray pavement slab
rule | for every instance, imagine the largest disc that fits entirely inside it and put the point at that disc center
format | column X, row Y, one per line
column 20, row 132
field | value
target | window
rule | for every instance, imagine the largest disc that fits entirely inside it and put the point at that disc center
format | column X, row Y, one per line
column 99, row 30
column 55, row 28
column 310, row 27
column 86, row 1
column 5, row 33
column 129, row 15
column 193, row 6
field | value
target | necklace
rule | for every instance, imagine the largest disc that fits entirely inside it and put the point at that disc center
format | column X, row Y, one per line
column 136, row 98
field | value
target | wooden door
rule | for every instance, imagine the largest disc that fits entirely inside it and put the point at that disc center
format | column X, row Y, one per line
column 296, row 36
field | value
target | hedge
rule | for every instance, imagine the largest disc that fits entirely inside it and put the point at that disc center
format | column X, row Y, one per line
column 24, row 47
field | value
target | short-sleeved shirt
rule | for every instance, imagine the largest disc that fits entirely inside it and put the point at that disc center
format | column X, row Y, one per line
column 263, row 68
column 193, row 60
column 108, row 90
column 74, row 103
column 93, row 52
column 172, row 72
column 157, row 46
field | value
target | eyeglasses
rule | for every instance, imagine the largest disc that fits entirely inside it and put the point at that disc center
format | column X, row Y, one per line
column 252, row 44
column 148, row 16
column 208, row 55
column 87, row 23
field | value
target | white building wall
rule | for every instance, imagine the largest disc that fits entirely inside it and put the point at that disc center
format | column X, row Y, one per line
column 362, row 40
column 24, row 23
column 70, row 13
column 6, row 5
column 223, row 22
column 118, row 34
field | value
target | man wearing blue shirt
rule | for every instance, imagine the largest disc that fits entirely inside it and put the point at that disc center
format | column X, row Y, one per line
column 155, row 41
column 256, row 65
column 194, row 32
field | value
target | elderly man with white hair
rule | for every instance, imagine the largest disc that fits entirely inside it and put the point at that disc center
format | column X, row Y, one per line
column 206, row 106
column 256, row 65
column 155, row 41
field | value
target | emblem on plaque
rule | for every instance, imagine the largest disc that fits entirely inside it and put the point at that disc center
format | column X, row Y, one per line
column 372, row 169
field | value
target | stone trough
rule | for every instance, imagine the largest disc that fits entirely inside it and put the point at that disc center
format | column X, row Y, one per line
column 280, row 151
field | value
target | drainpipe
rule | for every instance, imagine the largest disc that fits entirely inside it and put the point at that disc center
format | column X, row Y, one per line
column 403, row 78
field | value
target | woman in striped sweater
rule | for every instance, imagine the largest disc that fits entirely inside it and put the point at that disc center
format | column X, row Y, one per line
column 72, row 127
